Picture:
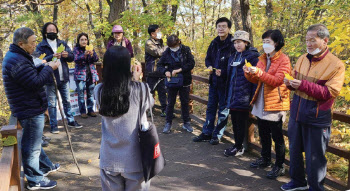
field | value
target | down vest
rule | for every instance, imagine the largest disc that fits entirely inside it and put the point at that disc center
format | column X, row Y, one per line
column 276, row 93
column 239, row 90
column 24, row 83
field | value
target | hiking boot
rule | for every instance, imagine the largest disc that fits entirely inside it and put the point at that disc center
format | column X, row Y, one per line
column 53, row 169
column 276, row 172
column 92, row 114
column 44, row 184
column 167, row 128
column 163, row 114
column 201, row 138
column 260, row 163
column 233, row 151
column 54, row 130
column 214, row 141
column 187, row 127
column 75, row 124
column 291, row 186
column 83, row 115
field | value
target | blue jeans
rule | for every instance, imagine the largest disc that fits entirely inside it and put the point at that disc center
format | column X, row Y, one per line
column 35, row 161
column 63, row 88
column 216, row 101
column 89, row 87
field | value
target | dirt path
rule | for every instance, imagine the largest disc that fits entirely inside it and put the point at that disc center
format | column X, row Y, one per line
column 190, row 166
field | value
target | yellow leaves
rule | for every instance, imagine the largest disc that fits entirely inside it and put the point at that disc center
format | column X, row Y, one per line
column 289, row 77
column 208, row 70
column 309, row 14
column 9, row 141
column 60, row 49
column 89, row 47
column 42, row 56
column 248, row 64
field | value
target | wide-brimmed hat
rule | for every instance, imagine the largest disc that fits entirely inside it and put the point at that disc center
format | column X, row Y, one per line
column 117, row 28
column 241, row 35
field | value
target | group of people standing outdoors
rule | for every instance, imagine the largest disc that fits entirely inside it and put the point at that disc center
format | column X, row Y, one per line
column 242, row 82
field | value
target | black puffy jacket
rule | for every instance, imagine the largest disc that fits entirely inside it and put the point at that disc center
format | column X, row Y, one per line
column 24, row 83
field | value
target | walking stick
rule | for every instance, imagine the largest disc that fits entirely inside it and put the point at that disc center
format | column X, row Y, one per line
column 65, row 124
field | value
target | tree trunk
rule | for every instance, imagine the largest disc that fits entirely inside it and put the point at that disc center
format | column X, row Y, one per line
column 98, row 34
column 269, row 11
column 193, row 20
column 246, row 19
column 173, row 12
column 236, row 16
column 116, row 7
column 55, row 13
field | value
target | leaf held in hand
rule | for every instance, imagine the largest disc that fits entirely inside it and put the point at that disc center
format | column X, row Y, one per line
column 42, row 56
column 89, row 47
column 289, row 77
column 60, row 49
column 248, row 64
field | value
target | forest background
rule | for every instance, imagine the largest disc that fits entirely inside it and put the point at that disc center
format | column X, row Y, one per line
column 194, row 22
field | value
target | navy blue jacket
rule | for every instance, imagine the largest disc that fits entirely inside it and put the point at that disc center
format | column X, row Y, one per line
column 239, row 90
column 24, row 83
column 167, row 63
column 217, row 56
column 44, row 47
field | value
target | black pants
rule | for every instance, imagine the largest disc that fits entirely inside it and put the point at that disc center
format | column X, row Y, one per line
column 239, row 126
column 274, row 128
column 184, row 93
column 160, row 88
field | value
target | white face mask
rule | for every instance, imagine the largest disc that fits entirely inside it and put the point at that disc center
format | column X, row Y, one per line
column 175, row 49
column 316, row 51
column 268, row 48
column 159, row 35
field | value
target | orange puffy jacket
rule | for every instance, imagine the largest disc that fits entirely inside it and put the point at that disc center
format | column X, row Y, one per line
column 276, row 93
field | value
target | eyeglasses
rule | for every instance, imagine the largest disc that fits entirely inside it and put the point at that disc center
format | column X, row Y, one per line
column 221, row 26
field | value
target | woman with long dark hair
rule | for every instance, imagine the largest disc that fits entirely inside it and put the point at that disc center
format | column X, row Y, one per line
column 85, row 74
column 118, row 98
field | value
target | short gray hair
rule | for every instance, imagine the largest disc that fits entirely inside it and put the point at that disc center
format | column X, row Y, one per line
column 321, row 29
column 22, row 34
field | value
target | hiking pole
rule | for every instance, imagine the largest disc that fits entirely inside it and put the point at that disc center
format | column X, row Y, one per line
column 65, row 124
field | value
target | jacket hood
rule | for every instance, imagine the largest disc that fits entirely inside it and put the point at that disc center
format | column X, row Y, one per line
column 16, row 49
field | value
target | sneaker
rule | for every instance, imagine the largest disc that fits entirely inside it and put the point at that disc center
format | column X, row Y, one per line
column 291, row 186
column 44, row 184
column 167, row 128
column 276, row 172
column 83, row 115
column 46, row 138
column 54, row 130
column 75, row 124
column 214, row 141
column 233, row 151
column 53, row 169
column 201, row 138
column 187, row 127
column 45, row 143
column 163, row 114
column 92, row 114
column 260, row 163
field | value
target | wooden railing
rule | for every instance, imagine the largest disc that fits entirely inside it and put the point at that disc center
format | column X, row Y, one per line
column 331, row 148
column 10, row 161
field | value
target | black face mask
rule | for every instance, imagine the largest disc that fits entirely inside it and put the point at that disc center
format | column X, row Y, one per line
column 51, row 35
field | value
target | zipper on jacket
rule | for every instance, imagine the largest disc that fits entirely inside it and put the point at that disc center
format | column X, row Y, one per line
column 279, row 93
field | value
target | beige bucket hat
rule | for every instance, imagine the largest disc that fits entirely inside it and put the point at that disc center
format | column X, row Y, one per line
column 241, row 35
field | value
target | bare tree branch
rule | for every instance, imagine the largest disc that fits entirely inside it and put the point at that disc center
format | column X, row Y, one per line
column 54, row 3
